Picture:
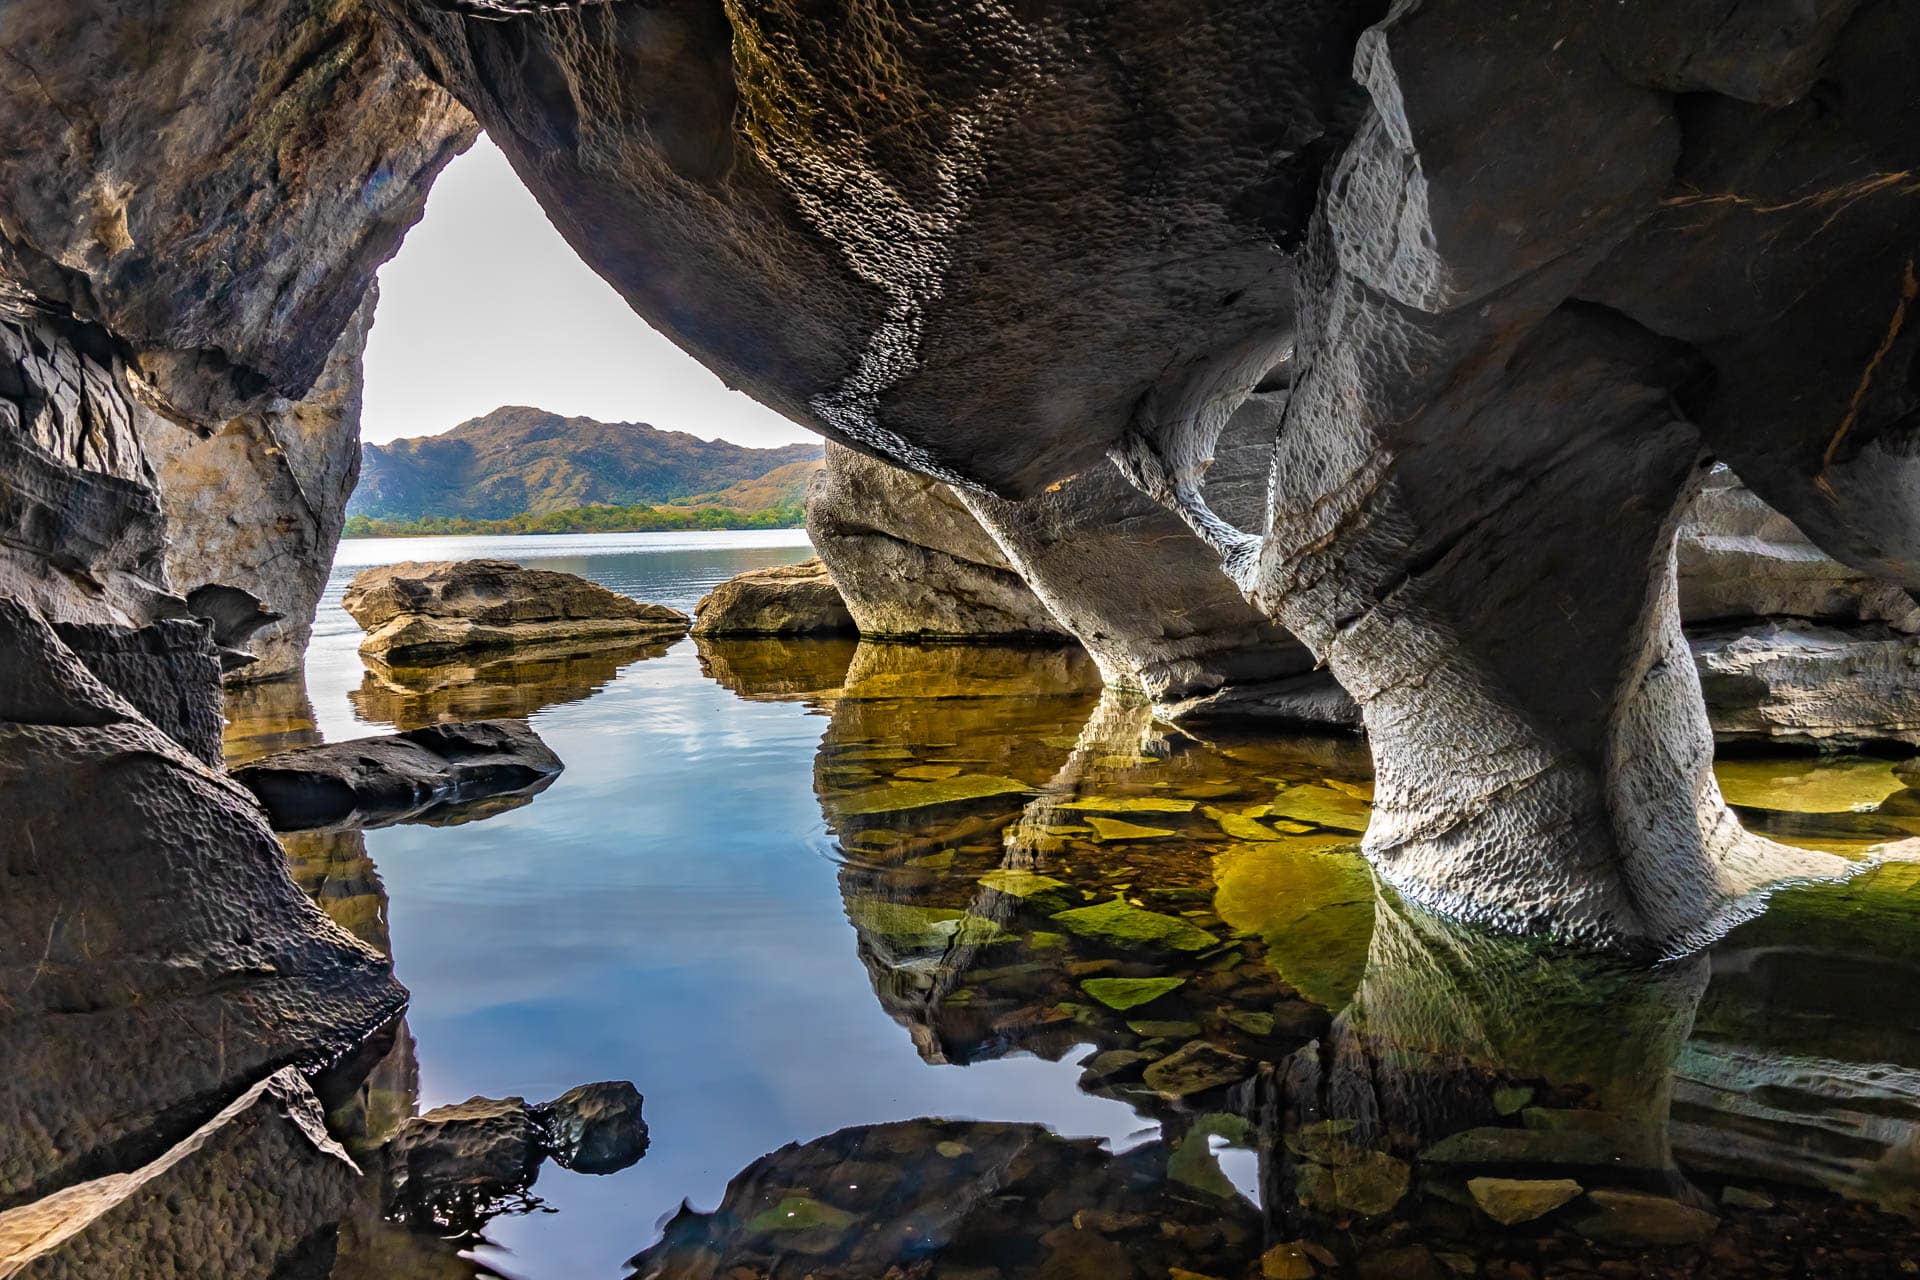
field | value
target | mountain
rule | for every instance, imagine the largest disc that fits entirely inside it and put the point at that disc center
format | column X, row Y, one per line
column 781, row 487
column 518, row 459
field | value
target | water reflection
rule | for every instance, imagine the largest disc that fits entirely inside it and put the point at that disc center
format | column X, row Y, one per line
column 1327, row 1081
column 507, row 687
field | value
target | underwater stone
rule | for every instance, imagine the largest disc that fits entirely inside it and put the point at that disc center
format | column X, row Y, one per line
column 1105, row 829
column 1196, row 1067
column 897, row 797
column 1128, row 993
column 1368, row 1183
column 1636, row 1218
column 1119, row 923
column 1509, row 1201
column 1520, row 1146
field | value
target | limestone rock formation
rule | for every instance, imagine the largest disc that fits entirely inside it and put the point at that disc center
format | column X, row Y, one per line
column 1147, row 599
column 1793, row 646
column 791, row 599
column 910, row 560
column 166, row 670
column 1739, row 559
column 1524, row 270
column 258, row 501
column 143, row 982
column 417, row 613
column 418, row 775
column 594, row 1128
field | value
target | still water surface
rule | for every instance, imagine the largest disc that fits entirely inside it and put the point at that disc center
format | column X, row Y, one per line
column 791, row 887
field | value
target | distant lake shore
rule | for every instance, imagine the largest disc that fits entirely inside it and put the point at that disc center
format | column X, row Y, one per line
column 637, row 519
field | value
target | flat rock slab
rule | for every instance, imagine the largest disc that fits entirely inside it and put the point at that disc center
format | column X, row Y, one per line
column 1511, row 1201
column 1636, row 1218
column 422, row 612
column 424, row 774
column 788, row 599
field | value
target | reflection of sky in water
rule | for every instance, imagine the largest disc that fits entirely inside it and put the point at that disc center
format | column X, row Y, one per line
column 664, row 913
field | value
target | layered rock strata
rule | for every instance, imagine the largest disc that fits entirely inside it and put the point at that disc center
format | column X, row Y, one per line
column 411, row 776
column 417, row 613
column 792, row 599
column 911, row 562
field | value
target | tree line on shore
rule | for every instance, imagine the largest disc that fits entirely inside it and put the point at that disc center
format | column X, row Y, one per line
column 639, row 518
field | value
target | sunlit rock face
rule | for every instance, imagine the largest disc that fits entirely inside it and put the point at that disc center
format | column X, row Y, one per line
column 1533, row 268
column 910, row 561
column 258, row 501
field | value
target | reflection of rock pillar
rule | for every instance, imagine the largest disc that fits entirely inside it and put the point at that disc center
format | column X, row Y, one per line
column 1471, row 1050
column 1120, row 725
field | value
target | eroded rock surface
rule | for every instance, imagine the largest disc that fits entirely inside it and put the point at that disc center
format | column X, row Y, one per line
column 257, row 1188
column 144, row 981
column 911, row 562
column 421, row 774
column 258, row 501
column 418, row 612
column 791, row 599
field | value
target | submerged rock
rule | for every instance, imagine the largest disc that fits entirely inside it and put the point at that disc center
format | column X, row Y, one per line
column 1197, row 1066
column 1637, row 1218
column 402, row 777
column 418, row 613
column 788, row 599
column 1510, row 1201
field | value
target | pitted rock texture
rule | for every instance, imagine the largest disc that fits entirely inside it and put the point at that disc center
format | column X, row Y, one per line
column 156, row 957
column 416, row 775
column 214, row 183
column 258, row 1188
column 258, row 502
column 1524, row 269
column 168, row 671
column 81, row 531
column 911, row 561
column 790, row 599
column 418, row 613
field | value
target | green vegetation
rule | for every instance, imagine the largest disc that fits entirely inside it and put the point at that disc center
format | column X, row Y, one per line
column 640, row 518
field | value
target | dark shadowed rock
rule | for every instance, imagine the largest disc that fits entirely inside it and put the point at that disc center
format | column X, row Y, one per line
column 156, row 958
column 420, row 775
column 594, row 1128
column 168, row 670
column 256, row 1190
column 791, row 599
column 462, row 1157
column 426, row 612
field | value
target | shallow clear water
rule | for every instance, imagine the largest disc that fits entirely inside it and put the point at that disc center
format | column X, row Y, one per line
column 792, row 887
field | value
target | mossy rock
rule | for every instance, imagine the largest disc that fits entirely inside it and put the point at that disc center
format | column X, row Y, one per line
column 1020, row 883
column 1119, row 923
column 1322, row 806
column 1196, row 1067
column 1314, row 910
column 897, row 797
column 1370, row 1183
column 911, row 928
column 1131, row 804
column 801, row 1213
column 1129, row 993
column 1108, row 829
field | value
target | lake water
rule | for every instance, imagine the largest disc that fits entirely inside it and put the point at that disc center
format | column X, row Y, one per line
column 889, row 903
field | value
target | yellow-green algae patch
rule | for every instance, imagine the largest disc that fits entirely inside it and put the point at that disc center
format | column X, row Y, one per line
column 1129, row 993
column 1803, row 785
column 1020, row 882
column 1121, row 829
column 1131, row 804
column 800, row 1213
column 914, row 928
column 929, row 772
column 1119, row 923
column 896, row 797
column 1313, row 909
column 1323, row 806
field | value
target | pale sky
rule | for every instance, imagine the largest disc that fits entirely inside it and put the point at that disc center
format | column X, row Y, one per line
column 486, row 305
